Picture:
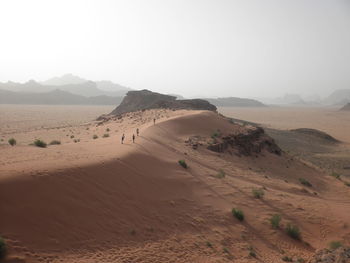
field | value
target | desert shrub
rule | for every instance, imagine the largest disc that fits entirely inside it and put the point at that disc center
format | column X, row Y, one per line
column 225, row 250
column 300, row 260
column 347, row 184
column 107, row 130
column 55, row 142
column 209, row 244
column 72, row 136
column 335, row 175
column 258, row 193
column 40, row 143
column 305, row 182
column 183, row 163
column 105, row 135
column 293, row 231
column 237, row 213
column 12, row 142
column 3, row 248
column 335, row 244
column 94, row 137
column 221, row 174
column 275, row 221
column 132, row 232
column 76, row 140
column 215, row 134
column 287, row 259
column 252, row 254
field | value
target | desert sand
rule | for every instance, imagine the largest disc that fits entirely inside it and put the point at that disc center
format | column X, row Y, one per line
column 328, row 119
column 97, row 200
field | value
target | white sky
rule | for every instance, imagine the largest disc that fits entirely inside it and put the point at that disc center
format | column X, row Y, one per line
column 246, row 48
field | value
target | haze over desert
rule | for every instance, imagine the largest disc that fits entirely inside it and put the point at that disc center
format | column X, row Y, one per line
column 174, row 131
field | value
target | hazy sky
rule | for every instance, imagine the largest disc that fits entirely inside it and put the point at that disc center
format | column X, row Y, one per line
column 190, row 47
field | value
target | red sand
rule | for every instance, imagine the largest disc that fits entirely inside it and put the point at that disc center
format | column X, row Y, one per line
column 100, row 201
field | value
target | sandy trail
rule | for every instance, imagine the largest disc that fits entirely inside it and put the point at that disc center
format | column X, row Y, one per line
column 100, row 201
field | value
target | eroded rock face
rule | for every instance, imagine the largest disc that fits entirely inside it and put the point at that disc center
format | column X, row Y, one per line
column 339, row 255
column 254, row 141
column 145, row 99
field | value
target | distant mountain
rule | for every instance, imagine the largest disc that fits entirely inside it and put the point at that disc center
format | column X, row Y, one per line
column 235, row 102
column 338, row 97
column 346, row 107
column 55, row 97
column 66, row 79
column 77, row 86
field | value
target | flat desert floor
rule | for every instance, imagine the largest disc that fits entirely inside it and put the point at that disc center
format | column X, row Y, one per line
column 330, row 120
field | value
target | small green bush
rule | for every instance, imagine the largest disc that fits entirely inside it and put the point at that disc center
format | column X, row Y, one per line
column 335, row 175
column 258, row 193
column 221, row 174
column 183, row 163
column 252, row 254
column 40, row 143
column 72, row 136
column 237, row 213
column 3, row 248
column 347, row 184
column 12, row 142
column 215, row 134
column 293, row 231
column 107, row 130
column 225, row 250
column 55, row 142
column 105, row 135
column 76, row 140
column 94, row 137
column 305, row 182
column 209, row 244
column 287, row 259
column 275, row 221
column 335, row 244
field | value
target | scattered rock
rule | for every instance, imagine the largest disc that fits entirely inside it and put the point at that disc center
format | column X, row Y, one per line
column 339, row 255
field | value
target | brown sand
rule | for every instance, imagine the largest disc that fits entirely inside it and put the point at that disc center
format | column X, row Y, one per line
column 330, row 120
column 100, row 201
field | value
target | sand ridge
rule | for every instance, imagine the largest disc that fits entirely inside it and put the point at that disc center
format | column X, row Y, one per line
column 100, row 201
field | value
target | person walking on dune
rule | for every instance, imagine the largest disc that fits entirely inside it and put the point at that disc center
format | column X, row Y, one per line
column 137, row 131
column 123, row 137
column 133, row 138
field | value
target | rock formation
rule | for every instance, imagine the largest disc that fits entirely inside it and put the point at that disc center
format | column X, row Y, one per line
column 145, row 99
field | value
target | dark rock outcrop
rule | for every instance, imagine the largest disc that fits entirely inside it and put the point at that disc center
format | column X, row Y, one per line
column 145, row 99
column 252, row 142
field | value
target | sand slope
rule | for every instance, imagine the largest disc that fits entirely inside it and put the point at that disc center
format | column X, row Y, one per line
column 100, row 201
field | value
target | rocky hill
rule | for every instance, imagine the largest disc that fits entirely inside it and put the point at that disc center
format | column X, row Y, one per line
column 346, row 107
column 235, row 102
column 145, row 99
column 55, row 97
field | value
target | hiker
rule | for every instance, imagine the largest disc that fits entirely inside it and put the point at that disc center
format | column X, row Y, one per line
column 133, row 138
column 137, row 131
column 123, row 137
column 154, row 121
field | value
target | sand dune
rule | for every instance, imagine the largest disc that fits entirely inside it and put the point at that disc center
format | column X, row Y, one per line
column 101, row 201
